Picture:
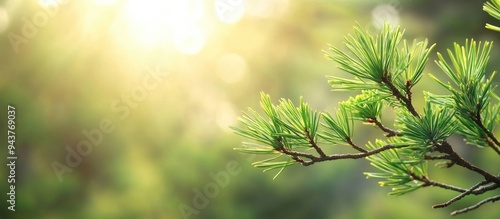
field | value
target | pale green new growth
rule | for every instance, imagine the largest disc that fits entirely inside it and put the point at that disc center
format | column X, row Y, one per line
column 493, row 8
column 398, row 167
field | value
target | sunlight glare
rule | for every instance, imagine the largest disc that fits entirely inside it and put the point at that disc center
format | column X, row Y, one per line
column 225, row 116
column 51, row 3
column 385, row 13
column 230, row 11
column 267, row 8
column 231, row 67
column 4, row 19
column 105, row 2
column 152, row 22
column 189, row 40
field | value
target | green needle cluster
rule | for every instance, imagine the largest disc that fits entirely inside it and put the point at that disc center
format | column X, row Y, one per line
column 384, row 68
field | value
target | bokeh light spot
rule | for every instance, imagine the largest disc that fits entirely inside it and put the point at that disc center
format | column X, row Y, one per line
column 4, row 19
column 385, row 13
column 105, row 2
column 51, row 3
column 267, row 8
column 190, row 40
column 154, row 23
column 225, row 116
column 231, row 67
column 230, row 11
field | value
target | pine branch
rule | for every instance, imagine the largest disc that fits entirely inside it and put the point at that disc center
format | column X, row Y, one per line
column 477, row 120
column 449, row 163
column 470, row 208
column 463, row 194
column 493, row 8
column 385, row 71
column 446, row 148
column 390, row 132
column 386, row 79
column 428, row 182
column 440, row 157
column 477, row 189
column 314, row 159
column 492, row 145
column 358, row 148
column 408, row 92
column 484, row 189
column 314, row 145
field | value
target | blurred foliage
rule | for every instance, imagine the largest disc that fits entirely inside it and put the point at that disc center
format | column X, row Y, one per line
column 67, row 77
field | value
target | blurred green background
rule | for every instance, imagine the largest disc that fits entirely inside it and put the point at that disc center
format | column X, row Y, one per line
column 69, row 65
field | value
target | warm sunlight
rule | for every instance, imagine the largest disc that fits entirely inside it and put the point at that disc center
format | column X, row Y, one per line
column 156, row 22
column 185, row 109
column 105, row 2
column 180, row 26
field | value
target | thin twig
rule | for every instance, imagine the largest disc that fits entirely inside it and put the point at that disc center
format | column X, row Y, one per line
column 477, row 120
column 446, row 148
column 448, row 163
column 394, row 90
column 408, row 89
column 298, row 155
column 484, row 189
column 470, row 208
column 490, row 143
column 313, row 159
column 445, row 186
column 390, row 132
column 298, row 159
column 358, row 148
column 463, row 194
column 314, row 145
column 429, row 182
column 440, row 157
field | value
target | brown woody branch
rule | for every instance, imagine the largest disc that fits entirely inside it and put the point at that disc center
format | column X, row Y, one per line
column 297, row 156
column 349, row 141
column 428, row 182
column 470, row 208
column 314, row 145
column 386, row 79
column 491, row 182
column 439, row 157
column 408, row 89
column 463, row 194
column 446, row 148
column 477, row 119
column 390, row 132
column 492, row 145
column 451, row 155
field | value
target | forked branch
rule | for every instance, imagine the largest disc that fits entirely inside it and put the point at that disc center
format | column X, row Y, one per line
column 315, row 159
column 470, row 208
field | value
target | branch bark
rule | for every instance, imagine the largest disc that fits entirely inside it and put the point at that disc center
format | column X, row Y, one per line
column 446, row 148
column 477, row 120
column 314, row 159
column 463, row 194
column 386, row 79
column 390, row 132
column 470, row 208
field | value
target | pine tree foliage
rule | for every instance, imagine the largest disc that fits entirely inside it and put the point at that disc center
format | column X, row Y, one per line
column 384, row 68
column 493, row 8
